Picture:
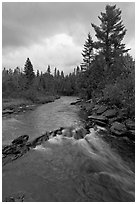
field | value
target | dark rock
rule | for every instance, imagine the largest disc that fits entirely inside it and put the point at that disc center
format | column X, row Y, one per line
column 96, row 107
column 101, row 109
column 118, row 129
column 89, row 101
column 7, row 111
column 75, row 102
column 130, row 124
column 110, row 113
column 57, row 132
column 112, row 120
column 40, row 139
column 131, row 135
column 21, row 140
column 98, row 118
column 122, row 113
column 79, row 133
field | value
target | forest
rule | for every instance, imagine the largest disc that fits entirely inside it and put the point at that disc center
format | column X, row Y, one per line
column 106, row 74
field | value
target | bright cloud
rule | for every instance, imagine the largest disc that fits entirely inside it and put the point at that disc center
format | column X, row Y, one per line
column 55, row 51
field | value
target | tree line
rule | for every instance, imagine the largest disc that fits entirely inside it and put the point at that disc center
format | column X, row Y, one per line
column 107, row 71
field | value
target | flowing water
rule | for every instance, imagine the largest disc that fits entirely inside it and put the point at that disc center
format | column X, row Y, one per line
column 64, row 169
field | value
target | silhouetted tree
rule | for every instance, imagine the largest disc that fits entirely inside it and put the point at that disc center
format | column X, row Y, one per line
column 88, row 51
column 29, row 72
column 110, row 33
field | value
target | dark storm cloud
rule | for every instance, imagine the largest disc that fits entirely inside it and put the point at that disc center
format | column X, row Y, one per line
column 25, row 23
column 29, row 25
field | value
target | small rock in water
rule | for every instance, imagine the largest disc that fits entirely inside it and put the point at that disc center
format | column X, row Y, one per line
column 21, row 139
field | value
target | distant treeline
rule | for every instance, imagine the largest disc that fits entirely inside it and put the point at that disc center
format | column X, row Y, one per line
column 107, row 71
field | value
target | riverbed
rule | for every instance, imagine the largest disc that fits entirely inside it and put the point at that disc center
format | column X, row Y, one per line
column 63, row 169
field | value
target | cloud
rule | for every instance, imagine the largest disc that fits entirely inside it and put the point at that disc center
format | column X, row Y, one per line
column 54, row 32
column 56, row 51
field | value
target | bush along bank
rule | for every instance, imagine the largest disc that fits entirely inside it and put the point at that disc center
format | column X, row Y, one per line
column 113, row 124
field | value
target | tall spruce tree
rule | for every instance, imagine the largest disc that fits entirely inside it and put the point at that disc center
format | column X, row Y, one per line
column 87, row 53
column 29, row 72
column 110, row 33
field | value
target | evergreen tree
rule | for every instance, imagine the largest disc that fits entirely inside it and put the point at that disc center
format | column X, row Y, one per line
column 110, row 33
column 55, row 72
column 48, row 70
column 62, row 74
column 88, row 51
column 38, row 73
column 58, row 73
column 29, row 72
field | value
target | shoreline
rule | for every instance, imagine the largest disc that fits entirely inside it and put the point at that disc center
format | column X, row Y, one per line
column 121, row 141
column 14, row 106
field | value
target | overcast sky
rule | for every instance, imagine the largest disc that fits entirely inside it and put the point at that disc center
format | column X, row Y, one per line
column 54, row 33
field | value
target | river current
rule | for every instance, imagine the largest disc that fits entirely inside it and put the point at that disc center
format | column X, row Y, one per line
column 64, row 169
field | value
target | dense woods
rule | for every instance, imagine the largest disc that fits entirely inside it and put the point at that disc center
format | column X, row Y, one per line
column 107, row 72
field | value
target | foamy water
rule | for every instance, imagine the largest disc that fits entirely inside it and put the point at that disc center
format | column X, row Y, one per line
column 103, row 171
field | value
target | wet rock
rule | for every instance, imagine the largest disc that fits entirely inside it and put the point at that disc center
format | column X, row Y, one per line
column 98, row 118
column 130, row 124
column 89, row 101
column 79, row 133
column 110, row 113
column 118, row 129
column 7, row 111
column 101, row 109
column 21, row 140
column 40, row 139
column 75, row 102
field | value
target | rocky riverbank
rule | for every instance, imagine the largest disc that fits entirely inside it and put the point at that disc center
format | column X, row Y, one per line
column 113, row 125
column 17, row 106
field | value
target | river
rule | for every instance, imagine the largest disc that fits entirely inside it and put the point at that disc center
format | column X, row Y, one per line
column 45, row 117
column 64, row 169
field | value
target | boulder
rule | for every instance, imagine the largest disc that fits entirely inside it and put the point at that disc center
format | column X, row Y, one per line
column 21, row 140
column 118, row 129
column 101, row 109
column 130, row 124
column 110, row 113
